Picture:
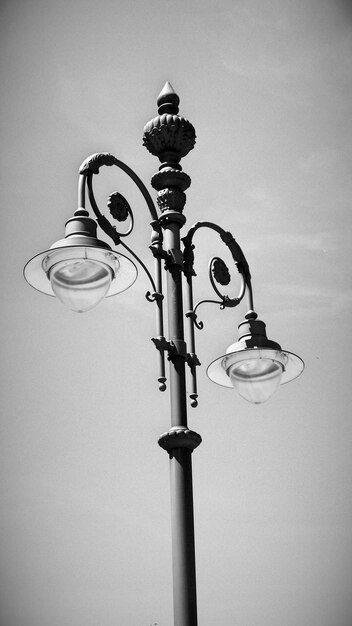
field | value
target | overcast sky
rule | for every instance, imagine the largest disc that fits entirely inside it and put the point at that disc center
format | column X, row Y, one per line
column 85, row 515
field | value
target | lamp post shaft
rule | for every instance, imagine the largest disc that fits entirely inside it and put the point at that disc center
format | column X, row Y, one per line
column 176, row 328
column 170, row 137
column 182, row 517
column 183, row 548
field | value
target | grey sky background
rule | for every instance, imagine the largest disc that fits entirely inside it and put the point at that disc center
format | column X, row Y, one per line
column 85, row 522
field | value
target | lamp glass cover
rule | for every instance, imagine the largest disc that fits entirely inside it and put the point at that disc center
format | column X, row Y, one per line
column 80, row 284
column 256, row 379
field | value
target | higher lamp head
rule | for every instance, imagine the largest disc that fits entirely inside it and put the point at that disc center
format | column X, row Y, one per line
column 80, row 269
column 255, row 366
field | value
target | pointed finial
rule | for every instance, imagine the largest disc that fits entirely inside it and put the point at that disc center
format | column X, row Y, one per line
column 168, row 100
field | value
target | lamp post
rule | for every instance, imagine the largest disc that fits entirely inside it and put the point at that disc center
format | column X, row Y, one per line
column 81, row 270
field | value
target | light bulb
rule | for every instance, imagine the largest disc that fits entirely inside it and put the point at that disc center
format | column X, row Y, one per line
column 80, row 284
column 256, row 380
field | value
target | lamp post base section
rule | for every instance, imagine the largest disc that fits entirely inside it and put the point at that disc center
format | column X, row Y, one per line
column 180, row 442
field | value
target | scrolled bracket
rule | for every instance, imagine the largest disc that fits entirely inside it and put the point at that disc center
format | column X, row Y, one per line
column 93, row 163
column 218, row 271
column 174, row 349
column 92, row 166
column 193, row 360
column 119, row 209
column 173, row 258
column 162, row 345
column 159, row 253
column 154, row 297
column 229, row 302
column 193, row 316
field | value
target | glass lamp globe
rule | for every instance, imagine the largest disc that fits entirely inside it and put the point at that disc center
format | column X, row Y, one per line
column 80, row 269
column 80, row 284
column 255, row 366
column 256, row 379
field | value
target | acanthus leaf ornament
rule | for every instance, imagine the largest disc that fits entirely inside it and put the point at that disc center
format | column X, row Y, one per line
column 237, row 253
column 169, row 136
column 169, row 133
column 221, row 272
column 94, row 162
column 118, row 206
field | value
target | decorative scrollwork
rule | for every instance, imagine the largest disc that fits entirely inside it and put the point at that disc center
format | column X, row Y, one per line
column 120, row 211
column 193, row 316
column 229, row 302
column 92, row 165
column 95, row 161
column 118, row 207
column 220, row 272
column 154, row 297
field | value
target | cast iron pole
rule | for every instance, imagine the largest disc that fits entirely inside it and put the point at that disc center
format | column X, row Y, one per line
column 171, row 137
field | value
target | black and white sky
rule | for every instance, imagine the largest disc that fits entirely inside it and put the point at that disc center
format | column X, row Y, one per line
column 85, row 519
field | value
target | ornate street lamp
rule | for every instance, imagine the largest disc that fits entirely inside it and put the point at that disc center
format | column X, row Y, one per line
column 82, row 269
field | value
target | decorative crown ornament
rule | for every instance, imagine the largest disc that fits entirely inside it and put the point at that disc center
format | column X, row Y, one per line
column 169, row 137
column 168, row 132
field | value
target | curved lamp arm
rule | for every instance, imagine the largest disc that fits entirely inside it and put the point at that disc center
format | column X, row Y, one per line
column 217, row 267
column 118, row 205
column 120, row 210
column 91, row 166
column 218, row 271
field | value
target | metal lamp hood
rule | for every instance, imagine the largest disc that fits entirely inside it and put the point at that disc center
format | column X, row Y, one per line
column 255, row 365
column 80, row 266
